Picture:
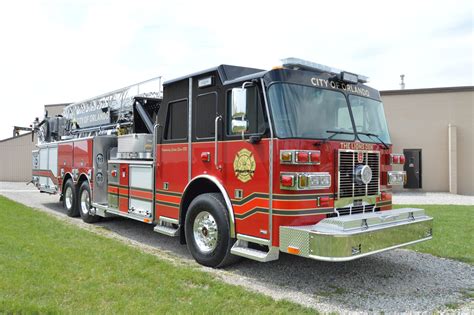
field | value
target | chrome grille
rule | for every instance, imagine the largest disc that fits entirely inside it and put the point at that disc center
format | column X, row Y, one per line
column 348, row 187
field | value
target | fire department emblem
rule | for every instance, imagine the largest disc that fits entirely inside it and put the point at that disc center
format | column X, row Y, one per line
column 360, row 157
column 244, row 165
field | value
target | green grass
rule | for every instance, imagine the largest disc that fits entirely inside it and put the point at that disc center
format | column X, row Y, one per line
column 48, row 266
column 453, row 232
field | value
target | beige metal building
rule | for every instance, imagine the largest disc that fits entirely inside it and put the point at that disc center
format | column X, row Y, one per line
column 15, row 161
column 440, row 123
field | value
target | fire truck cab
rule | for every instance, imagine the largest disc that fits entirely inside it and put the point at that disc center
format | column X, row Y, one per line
column 237, row 162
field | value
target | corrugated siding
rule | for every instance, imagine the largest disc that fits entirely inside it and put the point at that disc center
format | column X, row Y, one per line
column 15, row 159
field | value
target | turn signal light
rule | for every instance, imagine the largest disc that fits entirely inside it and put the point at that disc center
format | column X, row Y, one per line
column 396, row 177
column 397, row 159
column 386, row 196
column 286, row 156
column 287, row 180
column 303, row 181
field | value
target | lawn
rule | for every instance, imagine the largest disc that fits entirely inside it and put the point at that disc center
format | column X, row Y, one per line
column 47, row 266
column 453, row 232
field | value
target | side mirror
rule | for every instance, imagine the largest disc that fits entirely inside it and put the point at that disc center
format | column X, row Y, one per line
column 239, row 102
column 239, row 110
column 239, row 126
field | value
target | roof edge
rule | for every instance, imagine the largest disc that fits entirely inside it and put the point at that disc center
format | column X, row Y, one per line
column 467, row 88
column 13, row 138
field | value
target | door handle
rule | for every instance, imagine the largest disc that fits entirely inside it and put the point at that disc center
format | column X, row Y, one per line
column 216, row 138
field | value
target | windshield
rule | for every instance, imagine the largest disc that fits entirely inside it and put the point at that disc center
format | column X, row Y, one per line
column 308, row 112
column 369, row 118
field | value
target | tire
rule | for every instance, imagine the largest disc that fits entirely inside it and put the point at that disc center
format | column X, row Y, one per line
column 207, row 231
column 70, row 199
column 84, row 203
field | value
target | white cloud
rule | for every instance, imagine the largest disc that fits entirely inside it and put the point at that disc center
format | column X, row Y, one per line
column 62, row 51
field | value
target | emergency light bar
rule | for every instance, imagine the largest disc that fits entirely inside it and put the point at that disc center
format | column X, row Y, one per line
column 309, row 65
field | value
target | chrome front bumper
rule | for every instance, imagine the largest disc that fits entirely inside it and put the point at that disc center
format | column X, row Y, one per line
column 354, row 236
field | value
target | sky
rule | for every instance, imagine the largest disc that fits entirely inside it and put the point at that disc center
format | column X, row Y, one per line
column 60, row 51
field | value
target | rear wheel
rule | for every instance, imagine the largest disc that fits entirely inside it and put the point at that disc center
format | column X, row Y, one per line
column 85, row 203
column 207, row 231
column 70, row 199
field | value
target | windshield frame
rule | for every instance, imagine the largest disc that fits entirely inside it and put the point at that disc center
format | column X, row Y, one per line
column 335, row 138
column 349, row 106
column 369, row 139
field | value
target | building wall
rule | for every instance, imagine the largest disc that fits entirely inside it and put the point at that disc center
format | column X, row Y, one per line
column 419, row 119
column 16, row 160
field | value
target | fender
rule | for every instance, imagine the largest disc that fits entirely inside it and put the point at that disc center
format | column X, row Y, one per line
column 222, row 190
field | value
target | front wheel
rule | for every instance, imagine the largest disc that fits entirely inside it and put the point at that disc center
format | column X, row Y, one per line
column 85, row 203
column 207, row 231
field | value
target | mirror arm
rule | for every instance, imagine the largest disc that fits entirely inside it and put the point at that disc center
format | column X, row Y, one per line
column 247, row 83
column 254, row 139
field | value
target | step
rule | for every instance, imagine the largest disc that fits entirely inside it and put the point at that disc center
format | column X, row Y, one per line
column 241, row 248
column 166, row 230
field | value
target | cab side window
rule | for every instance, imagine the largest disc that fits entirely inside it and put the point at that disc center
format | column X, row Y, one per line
column 177, row 120
column 206, row 111
column 255, row 114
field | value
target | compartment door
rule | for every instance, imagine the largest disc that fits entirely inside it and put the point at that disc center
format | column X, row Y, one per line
column 113, row 185
column 141, row 190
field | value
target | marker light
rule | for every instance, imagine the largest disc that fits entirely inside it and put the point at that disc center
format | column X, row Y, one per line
column 293, row 250
column 302, row 157
column 396, row 177
column 316, row 157
column 205, row 156
column 323, row 201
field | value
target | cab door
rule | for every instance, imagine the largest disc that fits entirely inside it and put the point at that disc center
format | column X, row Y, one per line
column 245, row 159
column 172, row 159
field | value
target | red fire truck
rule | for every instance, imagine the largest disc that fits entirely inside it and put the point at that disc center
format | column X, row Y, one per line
column 236, row 162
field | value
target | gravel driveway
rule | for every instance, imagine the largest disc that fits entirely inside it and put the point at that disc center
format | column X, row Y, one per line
column 395, row 281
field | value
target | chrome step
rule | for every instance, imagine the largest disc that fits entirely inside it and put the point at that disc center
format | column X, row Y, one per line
column 166, row 230
column 241, row 248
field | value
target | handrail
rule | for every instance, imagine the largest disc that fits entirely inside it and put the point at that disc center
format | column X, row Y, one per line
column 216, row 138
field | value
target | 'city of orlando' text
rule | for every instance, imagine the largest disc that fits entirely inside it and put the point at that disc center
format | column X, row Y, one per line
column 340, row 86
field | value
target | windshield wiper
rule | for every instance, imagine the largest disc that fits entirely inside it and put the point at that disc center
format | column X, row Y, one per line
column 335, row 133
column 368, row 134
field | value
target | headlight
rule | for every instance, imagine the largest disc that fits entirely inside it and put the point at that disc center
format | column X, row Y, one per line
column 396, row 177
column 305, row 181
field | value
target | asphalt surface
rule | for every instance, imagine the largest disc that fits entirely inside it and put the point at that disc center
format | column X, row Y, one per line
column 395, row 281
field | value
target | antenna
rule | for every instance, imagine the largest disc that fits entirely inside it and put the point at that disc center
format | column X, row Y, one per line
column 402, row 83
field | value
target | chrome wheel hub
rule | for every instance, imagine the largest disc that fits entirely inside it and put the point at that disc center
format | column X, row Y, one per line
column 68, row 197
column 85, row 202
column 205, row 232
